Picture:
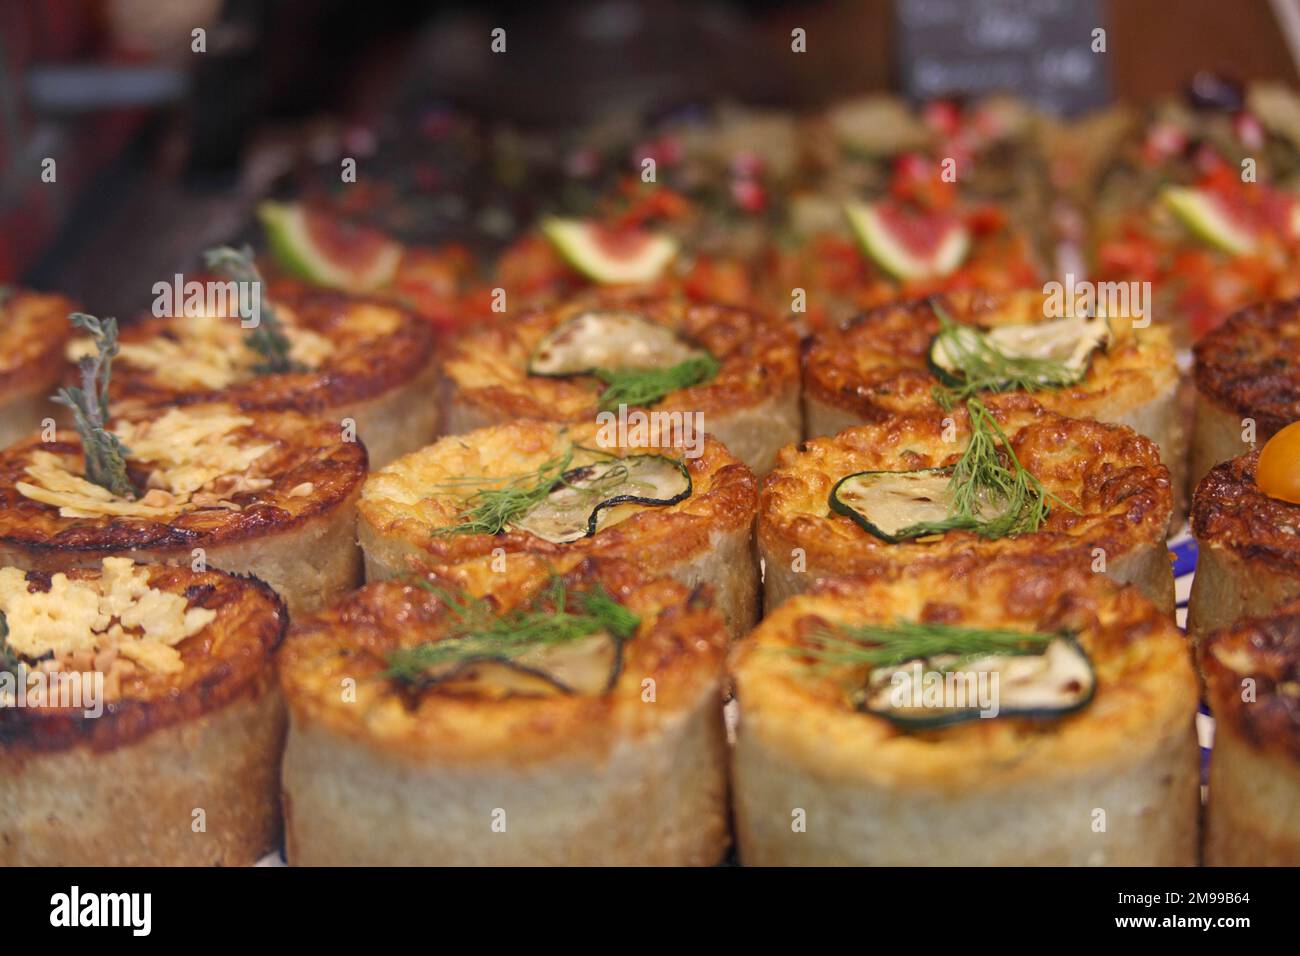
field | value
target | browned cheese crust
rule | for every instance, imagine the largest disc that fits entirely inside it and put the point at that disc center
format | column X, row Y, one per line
column 1116, row 490
column 1250, row 365
column 35, row 328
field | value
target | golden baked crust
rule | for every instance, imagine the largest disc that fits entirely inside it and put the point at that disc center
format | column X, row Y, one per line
column 369, row 348
column 488, row 369
column 680, row 645
column 418, row 494
column 987, row 791
column 311, row 470
column 1266, row 650
column 1250, row 365
column 877, row 366
column 35, row 329
column 1231, row 513
column 226, row 661
column 1111, row 475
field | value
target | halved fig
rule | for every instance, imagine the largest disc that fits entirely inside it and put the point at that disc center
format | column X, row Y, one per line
column 610, row 256
column 909, row 245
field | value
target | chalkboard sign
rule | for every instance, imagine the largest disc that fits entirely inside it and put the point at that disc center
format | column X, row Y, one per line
column 1039, row 49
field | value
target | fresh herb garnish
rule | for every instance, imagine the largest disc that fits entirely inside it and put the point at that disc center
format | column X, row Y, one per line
column 988, row 471
column 886, row 645
column 267, row 338
column 649, row 385
column 985, row 369
column 9, row 659
column 490, row 510
column 555, row 617
column 105, row 455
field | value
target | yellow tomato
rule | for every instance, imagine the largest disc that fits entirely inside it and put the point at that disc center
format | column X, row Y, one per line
column 1278, row 472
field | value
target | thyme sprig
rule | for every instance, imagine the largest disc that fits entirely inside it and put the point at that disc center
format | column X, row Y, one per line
column 649, row 385
column 887, row 645
column 105, row 455
column 554, row 617
column 993, row 494
column 267, row 338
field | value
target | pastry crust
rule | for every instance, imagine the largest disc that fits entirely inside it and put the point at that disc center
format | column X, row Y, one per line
column 878, row 367
column 702, row 539
column 1248, row 548
column 297, row 534
column 1252, row 679
column 1112, row 475
column 1247, row 368
column 395, row 776
column 751, row 406
column 987, row 792
column 35, row 329
column 86, row 791
column 368, row 360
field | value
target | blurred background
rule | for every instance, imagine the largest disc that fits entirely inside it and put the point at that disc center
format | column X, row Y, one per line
column 166, row 122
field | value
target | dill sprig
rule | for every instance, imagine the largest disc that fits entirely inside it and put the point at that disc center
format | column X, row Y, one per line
column 489, row 510
column 988, row 474
column 887, row 645
column 267, row 338
column 985, row 369
column 105, row 455
column 649, row 385
column 555, row 617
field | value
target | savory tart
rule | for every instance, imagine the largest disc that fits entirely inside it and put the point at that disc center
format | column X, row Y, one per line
column 732, row 370
column 915, row 489
column 680, row 509
column 1246, row 521
column 889, row 360
column 1247, row 382
column 508, row 714
column 35, row 330
column 142, row 724
column 1252, row 679
column 270, row 493
column 973, row 712
column 365, row 365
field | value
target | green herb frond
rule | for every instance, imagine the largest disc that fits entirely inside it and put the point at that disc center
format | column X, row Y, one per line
column 267, row 338
column 105, row 455
column 887, row 645
column 490, row 510
column 647, row 386
column 556, row 616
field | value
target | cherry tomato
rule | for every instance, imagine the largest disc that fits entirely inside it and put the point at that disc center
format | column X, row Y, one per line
column 1278, row 471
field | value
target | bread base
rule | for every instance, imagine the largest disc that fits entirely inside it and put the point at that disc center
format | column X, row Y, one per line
column 1226, row 588
column 400, row 421
column 1149, row 796
column 655, row 800
column 1253, row 817
column 136, row 805
column 1216, row 437
column 310, row 565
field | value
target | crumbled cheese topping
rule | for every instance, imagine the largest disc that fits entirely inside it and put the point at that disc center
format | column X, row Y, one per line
column 209, row 352
column 192, row 457
column 116, row 612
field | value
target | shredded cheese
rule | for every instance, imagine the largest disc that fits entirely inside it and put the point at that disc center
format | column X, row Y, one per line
column 116, row 611
column 187, row 450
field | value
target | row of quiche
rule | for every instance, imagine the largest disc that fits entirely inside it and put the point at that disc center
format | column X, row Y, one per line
column 564, row 580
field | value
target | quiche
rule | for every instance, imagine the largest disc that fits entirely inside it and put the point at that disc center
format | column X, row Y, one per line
column 530, row 713
column 889, row 360
column 679, row 509
column 368, row 366
column 142, row 724
column 979, row 711
column 844, row 505
column 35, row 329
column 1252, row 681
column 271, row 493
column 727, row 370
column 1247, row 375
column 1248, row 547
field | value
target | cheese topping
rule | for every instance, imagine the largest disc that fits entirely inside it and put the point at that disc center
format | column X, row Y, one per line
column 209, row 352
column 115, row 614
column 192, row 457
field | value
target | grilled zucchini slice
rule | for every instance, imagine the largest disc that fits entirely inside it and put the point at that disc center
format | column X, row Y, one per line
column 889, row 503
column 616, row 339
column 1062, row 347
